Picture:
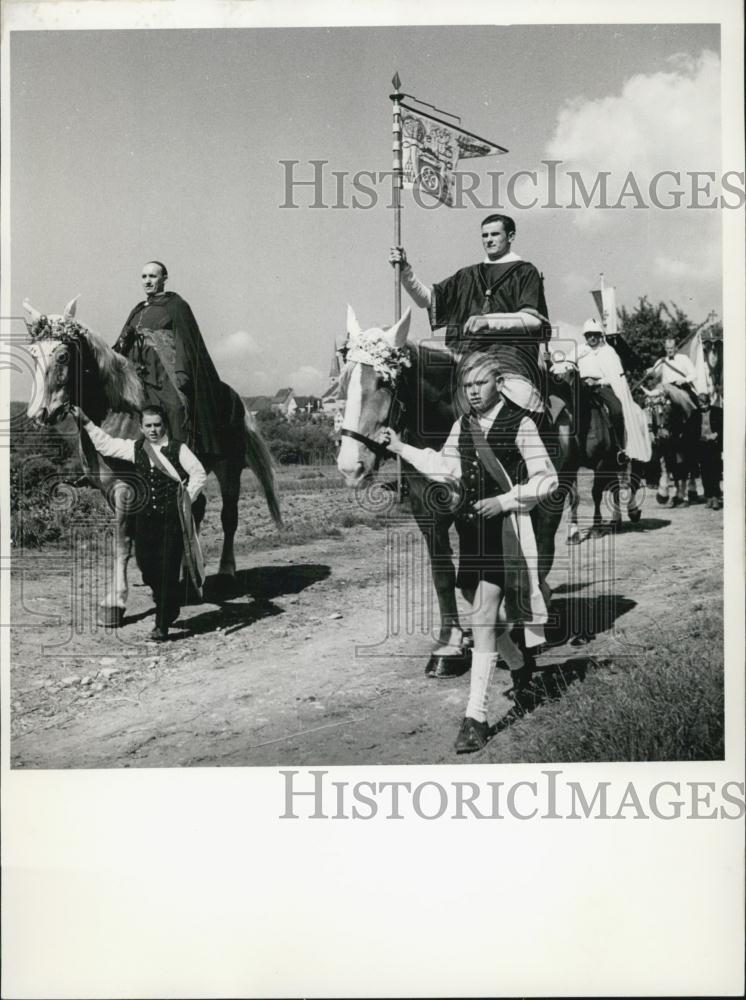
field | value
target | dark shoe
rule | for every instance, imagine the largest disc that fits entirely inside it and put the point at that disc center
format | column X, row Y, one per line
column 158, row 634
column 675, row 502
column 521, row 679
column 717, row 503
column 522, row 692
column 472, row 736
column 448, row 666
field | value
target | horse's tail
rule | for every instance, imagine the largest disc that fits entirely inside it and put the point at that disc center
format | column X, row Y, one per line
column 259, row 460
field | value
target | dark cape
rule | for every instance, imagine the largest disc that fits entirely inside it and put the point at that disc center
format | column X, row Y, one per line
column 480, row 289
column 178, row 373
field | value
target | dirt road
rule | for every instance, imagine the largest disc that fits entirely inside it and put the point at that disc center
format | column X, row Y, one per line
column 317, row 653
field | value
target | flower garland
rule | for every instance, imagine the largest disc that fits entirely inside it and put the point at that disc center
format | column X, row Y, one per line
column 53, row 328
column 387, row 361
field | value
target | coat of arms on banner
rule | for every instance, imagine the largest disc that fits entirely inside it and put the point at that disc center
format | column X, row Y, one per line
column 431, row 150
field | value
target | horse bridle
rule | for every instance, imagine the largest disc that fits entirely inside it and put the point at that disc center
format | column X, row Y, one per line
column 61, row 381
column 397, row 409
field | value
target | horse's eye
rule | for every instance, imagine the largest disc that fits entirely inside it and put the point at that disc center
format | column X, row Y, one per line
column 63, row 357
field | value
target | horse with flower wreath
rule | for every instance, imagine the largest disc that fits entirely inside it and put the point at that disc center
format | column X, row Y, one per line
column 74, row 366
column 410, row 387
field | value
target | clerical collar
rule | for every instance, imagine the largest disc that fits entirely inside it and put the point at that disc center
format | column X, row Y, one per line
column 508, row 258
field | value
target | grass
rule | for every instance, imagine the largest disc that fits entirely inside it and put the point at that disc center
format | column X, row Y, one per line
column 658, row 706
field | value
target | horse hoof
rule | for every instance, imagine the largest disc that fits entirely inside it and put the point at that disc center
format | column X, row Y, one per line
column 574, row 540
column 663, row 501
column 675, row 502
column 448, row 666
column 110, row 617
column 634, row 515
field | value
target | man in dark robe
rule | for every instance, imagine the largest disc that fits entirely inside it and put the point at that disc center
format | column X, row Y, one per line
column 498, row 301
column 162, row 338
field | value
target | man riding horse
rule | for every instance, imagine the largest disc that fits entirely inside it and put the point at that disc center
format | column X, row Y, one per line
column 676, row 369
column 600, row 369
column 501, row 298
column 162, row 338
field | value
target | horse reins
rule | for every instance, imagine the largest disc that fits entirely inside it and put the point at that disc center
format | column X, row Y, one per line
column 397, row 409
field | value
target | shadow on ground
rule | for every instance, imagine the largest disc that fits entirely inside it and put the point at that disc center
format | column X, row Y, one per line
column 579, row 619
column 644, row 524
column 262, row 584
column 549, row 683
column 624, row 527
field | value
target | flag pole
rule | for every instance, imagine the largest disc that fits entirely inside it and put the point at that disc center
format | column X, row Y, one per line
column 397, row 187
column 398, row 180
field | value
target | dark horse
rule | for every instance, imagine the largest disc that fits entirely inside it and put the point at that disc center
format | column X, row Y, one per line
column 73, row 366
column 711, row 457
column 596, row 450
column 411, row 387
column 676, row 421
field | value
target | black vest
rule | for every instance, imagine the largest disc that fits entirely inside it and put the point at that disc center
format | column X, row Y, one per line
column 476, row 481
column 161, row 489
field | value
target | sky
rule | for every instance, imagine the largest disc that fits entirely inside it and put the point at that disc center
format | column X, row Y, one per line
column 133, row 145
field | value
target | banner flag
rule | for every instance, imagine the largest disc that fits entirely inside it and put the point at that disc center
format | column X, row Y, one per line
column 692, row 348
column 605, row 299
column 432, row 149
column 334, row 367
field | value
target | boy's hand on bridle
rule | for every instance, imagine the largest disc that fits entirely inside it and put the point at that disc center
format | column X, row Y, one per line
column 77, row 414
column 391, row 439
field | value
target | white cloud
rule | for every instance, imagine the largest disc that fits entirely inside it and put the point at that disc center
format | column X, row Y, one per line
column 664, row 121
column 235, row 357
column 661, row 121
column 237, row 345
column 308, row 381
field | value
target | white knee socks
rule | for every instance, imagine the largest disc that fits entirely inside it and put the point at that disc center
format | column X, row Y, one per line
column 482, row 667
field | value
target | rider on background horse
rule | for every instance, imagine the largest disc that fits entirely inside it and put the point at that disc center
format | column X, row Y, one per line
column 601, row 370
column 162, row 338
column 675, row 369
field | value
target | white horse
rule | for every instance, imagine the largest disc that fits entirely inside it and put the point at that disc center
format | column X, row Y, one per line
column 73, row 366
column 411, row 387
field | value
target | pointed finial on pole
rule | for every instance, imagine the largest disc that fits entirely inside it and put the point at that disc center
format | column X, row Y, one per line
column 396, row 81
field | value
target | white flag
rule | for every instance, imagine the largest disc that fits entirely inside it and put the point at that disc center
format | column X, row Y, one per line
column 692, row 348
column 605, row 299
